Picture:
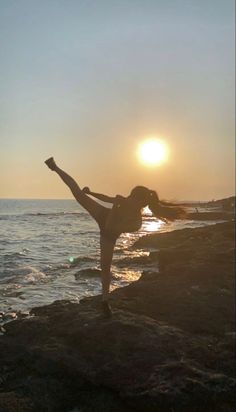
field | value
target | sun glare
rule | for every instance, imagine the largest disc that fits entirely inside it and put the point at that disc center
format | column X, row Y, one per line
column 152, row 152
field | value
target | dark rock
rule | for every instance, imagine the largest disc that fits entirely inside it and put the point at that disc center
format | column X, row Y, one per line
column 168, row 346
column 222, row 215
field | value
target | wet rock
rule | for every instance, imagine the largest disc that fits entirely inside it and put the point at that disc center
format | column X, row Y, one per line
column 89, row 272
column 8, row 316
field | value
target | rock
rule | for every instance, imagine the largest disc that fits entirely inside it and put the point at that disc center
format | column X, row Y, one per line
column 89, row 272
column 8, row 316
column 12, row 402
column 168, row 347
column 222, row 215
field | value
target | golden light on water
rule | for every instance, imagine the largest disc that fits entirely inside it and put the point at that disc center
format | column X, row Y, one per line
column 153, row 226
column 152, row 152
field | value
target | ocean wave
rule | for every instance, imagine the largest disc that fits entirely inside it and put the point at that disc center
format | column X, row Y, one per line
column 28, row 275
column 15, row 255
column 46, row 214
column 57, row 214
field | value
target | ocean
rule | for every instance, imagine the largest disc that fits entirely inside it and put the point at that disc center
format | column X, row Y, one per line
column 49, row 250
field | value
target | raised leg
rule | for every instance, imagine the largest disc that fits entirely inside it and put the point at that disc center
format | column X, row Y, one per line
column 99, row 213
column 96, row 210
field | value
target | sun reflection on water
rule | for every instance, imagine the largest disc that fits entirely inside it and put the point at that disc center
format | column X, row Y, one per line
column 152, row 225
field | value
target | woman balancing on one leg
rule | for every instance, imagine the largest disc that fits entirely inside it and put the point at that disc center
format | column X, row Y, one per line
column 124, row 216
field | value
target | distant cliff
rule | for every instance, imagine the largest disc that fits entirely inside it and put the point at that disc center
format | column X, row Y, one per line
column 225, row 204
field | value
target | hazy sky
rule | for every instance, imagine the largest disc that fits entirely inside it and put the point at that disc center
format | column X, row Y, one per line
column 87, row 80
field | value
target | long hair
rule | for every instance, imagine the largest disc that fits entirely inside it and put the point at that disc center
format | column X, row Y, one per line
column 161, row 209
column 165, row 210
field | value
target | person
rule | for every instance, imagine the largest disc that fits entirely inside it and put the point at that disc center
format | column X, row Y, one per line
column 125, row 215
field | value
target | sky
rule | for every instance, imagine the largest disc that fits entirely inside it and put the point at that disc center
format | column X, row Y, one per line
column 86, row 81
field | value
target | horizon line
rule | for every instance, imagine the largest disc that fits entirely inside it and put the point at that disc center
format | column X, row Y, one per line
column 183, row 200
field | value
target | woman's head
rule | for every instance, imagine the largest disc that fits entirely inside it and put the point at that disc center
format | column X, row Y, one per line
column 142, row 195
column 162, row 210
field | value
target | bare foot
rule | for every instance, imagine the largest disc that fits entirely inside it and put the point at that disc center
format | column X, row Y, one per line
column 51, row 163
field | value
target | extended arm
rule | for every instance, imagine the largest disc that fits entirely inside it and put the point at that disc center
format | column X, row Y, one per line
column 100, row 196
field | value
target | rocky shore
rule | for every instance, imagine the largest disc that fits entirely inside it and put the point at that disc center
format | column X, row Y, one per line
column 170, row 345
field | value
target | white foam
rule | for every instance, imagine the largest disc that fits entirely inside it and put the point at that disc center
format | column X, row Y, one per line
column 31, row 274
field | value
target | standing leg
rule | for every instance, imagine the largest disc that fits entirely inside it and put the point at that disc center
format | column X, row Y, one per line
column 107, row 249
column 95, row 209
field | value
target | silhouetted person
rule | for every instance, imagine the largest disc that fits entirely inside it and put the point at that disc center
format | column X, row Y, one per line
column 124, row 216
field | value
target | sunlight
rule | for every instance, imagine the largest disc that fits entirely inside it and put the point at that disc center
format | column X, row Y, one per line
column 152, row 152
column 146, row 211
column 153, row 226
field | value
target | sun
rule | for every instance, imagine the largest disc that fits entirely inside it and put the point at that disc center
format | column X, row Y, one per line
column 152, row 152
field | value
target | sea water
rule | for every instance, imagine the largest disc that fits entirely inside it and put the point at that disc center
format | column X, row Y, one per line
column 49, row 250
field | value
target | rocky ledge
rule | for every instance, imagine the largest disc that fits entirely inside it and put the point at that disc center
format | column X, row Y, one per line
column 168, row 347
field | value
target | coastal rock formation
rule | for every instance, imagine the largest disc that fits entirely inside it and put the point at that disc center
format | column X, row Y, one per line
column 168, row 347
